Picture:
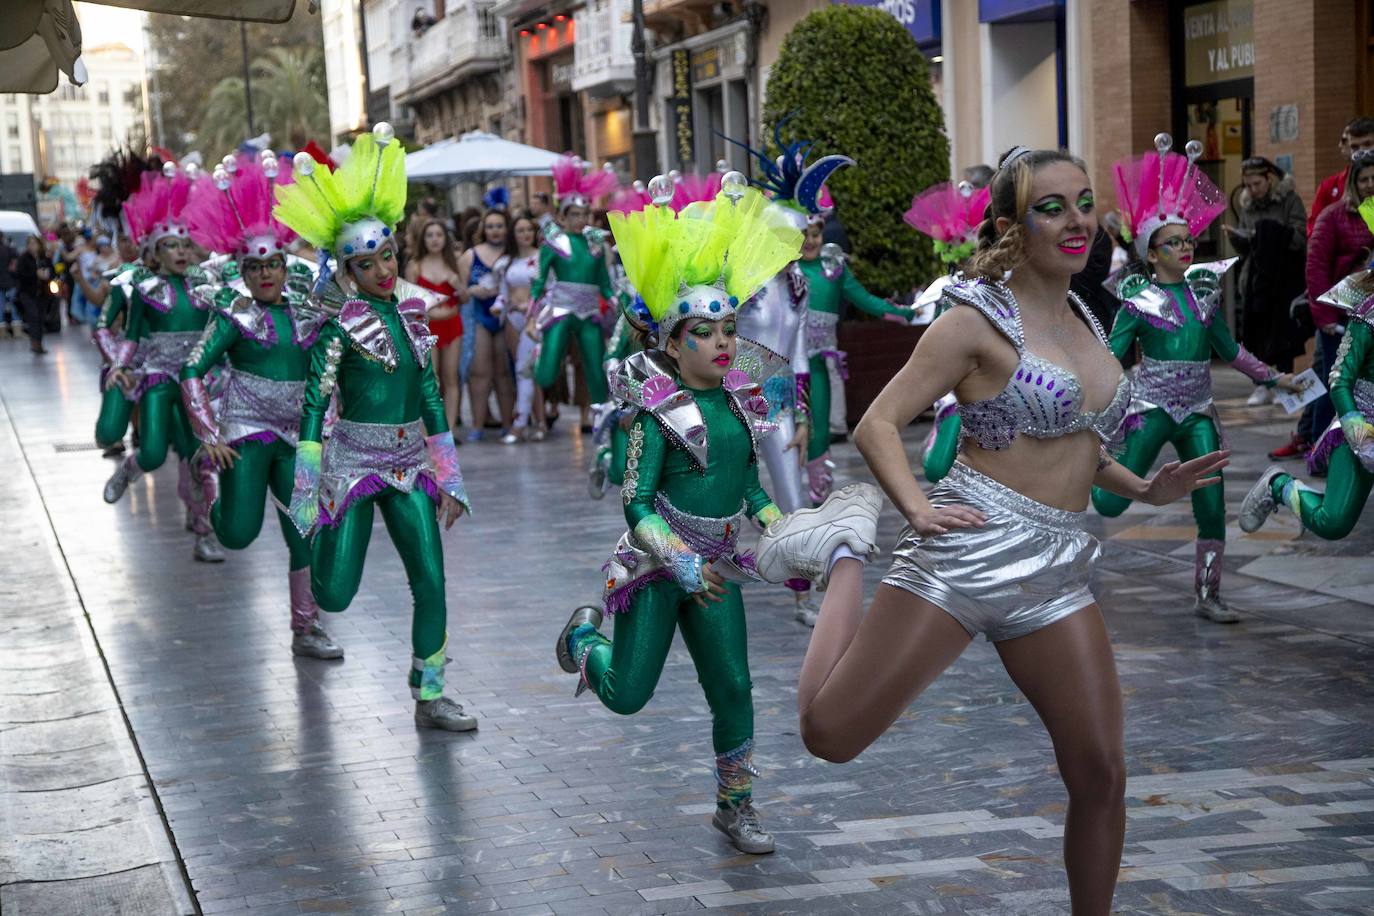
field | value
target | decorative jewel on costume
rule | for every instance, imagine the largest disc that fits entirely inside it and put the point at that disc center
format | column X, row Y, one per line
column 658, row 389
column 634, row 450
column 330, row 376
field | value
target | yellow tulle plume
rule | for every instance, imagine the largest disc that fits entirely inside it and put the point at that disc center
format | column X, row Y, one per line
column 371, row 183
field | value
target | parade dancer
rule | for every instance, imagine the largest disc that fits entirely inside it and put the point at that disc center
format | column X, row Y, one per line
column 1170, row 307
column 950, row 215
column 266, row 336
column 1348, row 443
column 166, row 321
column 514, row 304
column 999, row 546
column 828, row 281
column 391, row 448
column 573, row 279
column 691, row 482
column 119, row 175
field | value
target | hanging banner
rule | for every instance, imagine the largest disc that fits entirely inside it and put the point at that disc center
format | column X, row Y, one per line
column 680, row 108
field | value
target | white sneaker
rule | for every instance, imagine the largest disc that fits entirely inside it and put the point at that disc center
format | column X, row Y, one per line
column 1259, row 397
column 207, row 549
column 799, row 545
column 1259, row 503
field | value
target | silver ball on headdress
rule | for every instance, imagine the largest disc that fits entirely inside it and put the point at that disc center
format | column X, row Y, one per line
column 965, row 189
column 221, row 177
column 1163, row 142
column 192, row 171
column 383, row 132
column 661, row 190
column 303, row 164
column 675, row 175
column 1193, row 149
column 608, row 167
column 270, row 165
column 638, row 186
column 169, row 170
column 265, row 154
column 231, row 163
column 733, row 185
column 722, row 165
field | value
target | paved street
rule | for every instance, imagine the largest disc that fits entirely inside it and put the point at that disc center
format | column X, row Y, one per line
column 261, row 784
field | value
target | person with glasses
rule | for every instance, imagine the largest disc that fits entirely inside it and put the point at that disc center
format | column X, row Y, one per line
column 1170, row 308
column 265, row 328
column 165, row 321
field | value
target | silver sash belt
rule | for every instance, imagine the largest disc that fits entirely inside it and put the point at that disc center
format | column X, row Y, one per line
column 1178, row 387
column 166, row 352
column 566, row 298
column 253, row 404
column 394, row 452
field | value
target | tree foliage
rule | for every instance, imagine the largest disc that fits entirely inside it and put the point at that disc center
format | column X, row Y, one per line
column 193, row 55
column 853, row 81
column 288, row 102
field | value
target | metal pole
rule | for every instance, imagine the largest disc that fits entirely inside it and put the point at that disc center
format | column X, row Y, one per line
column 247, row 76
column 645, row 142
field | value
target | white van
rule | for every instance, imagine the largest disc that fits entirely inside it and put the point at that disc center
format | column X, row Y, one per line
column 16, row 226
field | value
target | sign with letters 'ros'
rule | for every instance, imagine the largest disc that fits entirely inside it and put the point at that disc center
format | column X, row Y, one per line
column 1218, row 42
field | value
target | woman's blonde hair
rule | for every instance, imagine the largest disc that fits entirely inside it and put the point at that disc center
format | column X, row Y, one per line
column 997, row 255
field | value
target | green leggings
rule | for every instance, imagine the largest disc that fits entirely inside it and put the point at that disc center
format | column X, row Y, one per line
column 338, row 552
column 1193, row 438
column 113, row 420
column 943, row 450
column 818, row 394
column 237, row 514
column 620, row 440
column 590, row 344
column 1332, row 515
column 163, row 422
column 624, row 673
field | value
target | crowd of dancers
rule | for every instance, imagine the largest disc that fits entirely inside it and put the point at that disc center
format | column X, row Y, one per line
column 294, row 364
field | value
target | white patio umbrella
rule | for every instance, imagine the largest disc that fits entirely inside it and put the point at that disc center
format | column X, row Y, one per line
column 478, row 157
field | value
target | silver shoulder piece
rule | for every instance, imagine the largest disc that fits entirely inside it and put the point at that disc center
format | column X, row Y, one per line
column 1147, row 301
column 1205, row 282
column 995, row 300
column 1352, row 294
column 929, row 303
column 645, row 380
column 407, row 290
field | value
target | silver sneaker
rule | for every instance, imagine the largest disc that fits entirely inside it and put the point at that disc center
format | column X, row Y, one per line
column 799, row 545
column 585, row 614
column 208, row 549
column 445, row 714
column 741, row 824
column 1212, row 607
column 598, row 476
column 808, row 608
column 117, row 484
column 1259, row 503
column 315, row 644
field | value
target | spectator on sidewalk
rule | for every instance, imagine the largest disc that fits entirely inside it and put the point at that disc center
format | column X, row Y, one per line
column 1356, row 136
column 9, row 311
column 1271, row 240
column 34, row 272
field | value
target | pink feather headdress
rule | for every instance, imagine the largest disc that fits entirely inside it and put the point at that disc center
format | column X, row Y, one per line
column 577, row 184
column 693, row 188
column 950, row 214
column 154, row 211
column 233, row 213
column 1163, row 188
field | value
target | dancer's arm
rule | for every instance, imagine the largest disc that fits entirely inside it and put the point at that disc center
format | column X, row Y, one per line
column 1170, row 483
column 546, row 258
column 1125, row 328
column 220, row 334
column 645, row 454
column 1241, row 359
column 1355, row 353
column 947, row 353
column 858, row 296
column 756, row 499
column 603, row 278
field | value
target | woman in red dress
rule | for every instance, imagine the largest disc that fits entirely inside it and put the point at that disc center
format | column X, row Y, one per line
column 436, row 269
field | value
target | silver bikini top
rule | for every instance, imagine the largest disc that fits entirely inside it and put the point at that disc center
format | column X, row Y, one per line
column 1041, row 400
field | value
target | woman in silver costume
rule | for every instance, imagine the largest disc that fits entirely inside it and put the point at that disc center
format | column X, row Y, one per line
column 998, row 547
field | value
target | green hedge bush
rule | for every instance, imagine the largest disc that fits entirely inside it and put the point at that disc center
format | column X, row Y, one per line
column 853, row 81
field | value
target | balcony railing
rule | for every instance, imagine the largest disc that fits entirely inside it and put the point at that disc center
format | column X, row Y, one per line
column 602, row 61
column 466, row 42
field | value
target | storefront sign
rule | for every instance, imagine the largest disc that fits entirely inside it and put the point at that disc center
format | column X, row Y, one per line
column 680, row 105
column 1218, row 42
column 919, row 17
column 706, row 65
column 561, row 75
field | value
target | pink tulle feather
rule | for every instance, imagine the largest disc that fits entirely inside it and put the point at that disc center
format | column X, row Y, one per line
column 596, row 183
column 1138, row 192
column 693, row 188
column 628, row 200
column 566, row 173
column 945, row 214
column 157, row 200
column 211, row 219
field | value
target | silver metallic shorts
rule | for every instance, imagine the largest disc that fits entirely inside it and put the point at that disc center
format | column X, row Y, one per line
column 1026, row 568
